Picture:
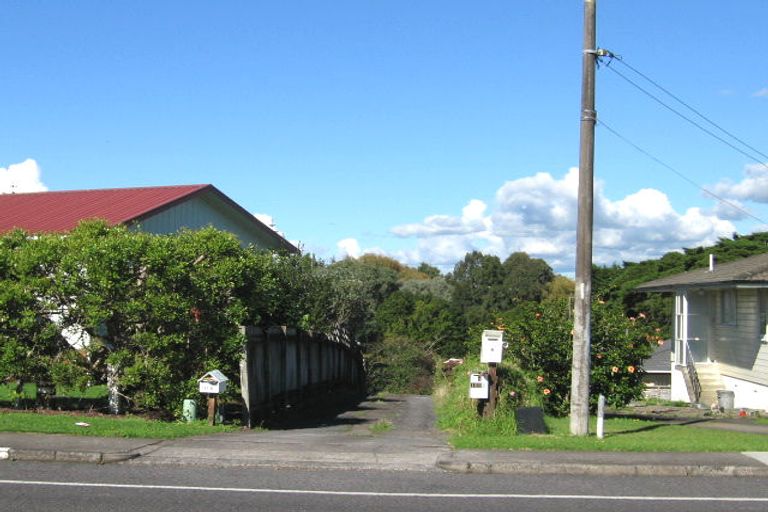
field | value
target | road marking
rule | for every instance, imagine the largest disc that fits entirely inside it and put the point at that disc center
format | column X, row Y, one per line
column 758, row 456
column 388, row 494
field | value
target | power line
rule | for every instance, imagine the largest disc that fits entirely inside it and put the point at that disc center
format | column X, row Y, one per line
column 751, row 156
column 724, row 201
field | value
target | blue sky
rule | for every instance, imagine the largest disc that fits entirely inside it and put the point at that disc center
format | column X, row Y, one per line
column 421, row 130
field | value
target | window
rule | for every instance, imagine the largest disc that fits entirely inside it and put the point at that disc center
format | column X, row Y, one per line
column 728, row 307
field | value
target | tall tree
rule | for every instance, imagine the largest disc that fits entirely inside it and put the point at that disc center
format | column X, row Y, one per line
column 525, row 278
column 477, row 282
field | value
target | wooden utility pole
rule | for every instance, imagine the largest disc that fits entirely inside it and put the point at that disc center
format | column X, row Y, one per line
column 582, row 302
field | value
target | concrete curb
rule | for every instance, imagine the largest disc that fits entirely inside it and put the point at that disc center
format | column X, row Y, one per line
column 280, row 464
column 458, row 466
column 65, row 456
column 450, row 465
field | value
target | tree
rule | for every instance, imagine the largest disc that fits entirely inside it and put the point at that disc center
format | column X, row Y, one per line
column 525, row 278
column 477, row 283
column 355, row 290
column 558, row 288
column 31, row 346
column 428, row 321
column 159, row 310
column 428, row 270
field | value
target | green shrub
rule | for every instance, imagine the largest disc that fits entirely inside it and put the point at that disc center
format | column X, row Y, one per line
column 400, row 365
column 458, row 413
column 541, row 342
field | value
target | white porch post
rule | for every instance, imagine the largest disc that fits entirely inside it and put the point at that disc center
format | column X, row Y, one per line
column 681, row 328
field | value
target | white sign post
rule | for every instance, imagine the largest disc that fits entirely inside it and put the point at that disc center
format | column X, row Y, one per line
column 491, row 352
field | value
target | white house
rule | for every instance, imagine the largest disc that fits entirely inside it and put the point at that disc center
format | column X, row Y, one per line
column 720, row 332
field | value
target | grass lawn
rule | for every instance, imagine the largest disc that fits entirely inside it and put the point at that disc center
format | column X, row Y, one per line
column 621, row 434
column 104, row 426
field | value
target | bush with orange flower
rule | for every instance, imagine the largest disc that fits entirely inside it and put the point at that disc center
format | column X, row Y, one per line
column 541, row 340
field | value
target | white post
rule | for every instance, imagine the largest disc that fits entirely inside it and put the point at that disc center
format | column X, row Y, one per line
column 115, row 405
column 600, row 416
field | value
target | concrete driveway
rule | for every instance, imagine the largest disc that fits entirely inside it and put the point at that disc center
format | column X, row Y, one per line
column 394, row 432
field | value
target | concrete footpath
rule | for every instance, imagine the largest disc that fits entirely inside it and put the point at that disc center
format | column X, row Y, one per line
column 349, row 441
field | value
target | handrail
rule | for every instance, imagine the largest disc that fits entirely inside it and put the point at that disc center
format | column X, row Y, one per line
column 693, row 375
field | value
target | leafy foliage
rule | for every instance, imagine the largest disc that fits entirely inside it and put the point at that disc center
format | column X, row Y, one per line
column 540, row 342
column 398, row 365
column 156, row 311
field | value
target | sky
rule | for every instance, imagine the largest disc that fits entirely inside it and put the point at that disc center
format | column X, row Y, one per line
column 419, row 130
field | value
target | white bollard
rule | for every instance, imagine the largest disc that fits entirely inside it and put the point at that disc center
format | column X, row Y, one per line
column 600, row 416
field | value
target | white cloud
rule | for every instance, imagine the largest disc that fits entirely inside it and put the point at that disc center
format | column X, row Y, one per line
column 537, row 215
column 349, row 247
column 22, row 177
column 733, row 209
column 754, row 187
column 762, row 93
column 265, row 219
column 269, row 221
column 472, row 220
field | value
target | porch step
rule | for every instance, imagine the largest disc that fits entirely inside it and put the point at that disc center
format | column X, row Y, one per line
column 710, row 380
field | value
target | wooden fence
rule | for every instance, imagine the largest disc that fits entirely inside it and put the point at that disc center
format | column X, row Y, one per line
column 282, row 366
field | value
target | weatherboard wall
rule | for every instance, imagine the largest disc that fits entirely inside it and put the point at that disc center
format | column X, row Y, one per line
column 205, row 210
column 738, row 346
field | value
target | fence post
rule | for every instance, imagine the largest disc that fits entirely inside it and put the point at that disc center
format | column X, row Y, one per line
column 246, row 377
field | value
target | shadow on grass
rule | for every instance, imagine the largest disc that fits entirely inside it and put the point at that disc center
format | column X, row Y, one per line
column 655, row 426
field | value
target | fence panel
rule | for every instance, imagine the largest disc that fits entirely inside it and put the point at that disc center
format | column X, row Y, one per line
column 282, row 366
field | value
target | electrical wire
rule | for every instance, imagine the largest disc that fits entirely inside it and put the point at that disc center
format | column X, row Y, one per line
column 615, row 58
column 689, row 107
column 711, row 194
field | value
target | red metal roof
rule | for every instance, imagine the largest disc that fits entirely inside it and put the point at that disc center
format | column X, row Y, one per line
column 61, row 211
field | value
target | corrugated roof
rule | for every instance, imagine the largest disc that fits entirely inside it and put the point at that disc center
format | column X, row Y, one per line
column 750, row 270
column 61, row 211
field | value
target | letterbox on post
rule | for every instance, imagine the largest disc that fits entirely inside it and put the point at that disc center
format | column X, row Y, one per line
column 213, row 382
column 492, row 346
column 478, row 386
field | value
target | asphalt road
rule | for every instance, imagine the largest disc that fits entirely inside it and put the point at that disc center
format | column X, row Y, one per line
column 32, row 487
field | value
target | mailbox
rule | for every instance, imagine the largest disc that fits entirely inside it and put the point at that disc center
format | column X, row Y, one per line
column 492, row 347
column 478, row 386
column 213, row 382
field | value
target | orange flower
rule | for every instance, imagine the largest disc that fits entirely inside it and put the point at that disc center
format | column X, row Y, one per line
column 599, row 356
column 540, row 378
column 546, row 391
column 538, row 315
column 615, row 369
column 660, row 342
column 631, row 369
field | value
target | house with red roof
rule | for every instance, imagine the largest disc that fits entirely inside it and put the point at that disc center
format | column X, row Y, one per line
column 160, row 210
